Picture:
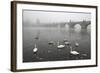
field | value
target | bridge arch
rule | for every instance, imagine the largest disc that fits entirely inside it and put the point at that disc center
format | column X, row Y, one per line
column 77, row 27
column 83, row 24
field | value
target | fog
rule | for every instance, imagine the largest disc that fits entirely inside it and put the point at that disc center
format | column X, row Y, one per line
column 52, row 17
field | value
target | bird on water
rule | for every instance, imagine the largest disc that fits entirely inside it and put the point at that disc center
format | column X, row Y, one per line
column 60, row 46
column 73, row 52
column 35, row 49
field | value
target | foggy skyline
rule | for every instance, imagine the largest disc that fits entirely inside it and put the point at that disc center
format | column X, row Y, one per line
column 53, row 17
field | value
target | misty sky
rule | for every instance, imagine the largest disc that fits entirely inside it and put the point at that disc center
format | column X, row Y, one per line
column 49, row 16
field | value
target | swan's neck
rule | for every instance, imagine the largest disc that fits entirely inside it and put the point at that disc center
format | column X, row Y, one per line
column 71, row 48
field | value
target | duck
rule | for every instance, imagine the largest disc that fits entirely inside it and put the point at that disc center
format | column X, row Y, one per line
column 51, row 43
column 73, row 52
column 35, row 49
column 36, row 38
column 60, row 46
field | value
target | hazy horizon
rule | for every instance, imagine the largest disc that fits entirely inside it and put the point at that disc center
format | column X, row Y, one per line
column 53, row 17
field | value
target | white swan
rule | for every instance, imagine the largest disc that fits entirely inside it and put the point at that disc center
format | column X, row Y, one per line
column 60, row 46
column 76, row 44
column 73, row 52
column 35, row 49
column 67, row 43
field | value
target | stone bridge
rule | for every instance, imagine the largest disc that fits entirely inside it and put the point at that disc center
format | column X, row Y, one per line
column 71, row 24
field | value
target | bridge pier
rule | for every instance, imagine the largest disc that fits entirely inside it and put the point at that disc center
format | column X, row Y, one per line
column 83, row 24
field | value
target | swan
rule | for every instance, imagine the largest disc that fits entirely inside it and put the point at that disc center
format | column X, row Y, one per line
column 73, row 52
column 76, row 44
column 60, row 46
column 35, row 49
column 66, row 42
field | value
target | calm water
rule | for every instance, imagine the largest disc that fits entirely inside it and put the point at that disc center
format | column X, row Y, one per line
column 48, row 52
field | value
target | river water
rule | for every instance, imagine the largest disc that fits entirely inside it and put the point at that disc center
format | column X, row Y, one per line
column 46, row 52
